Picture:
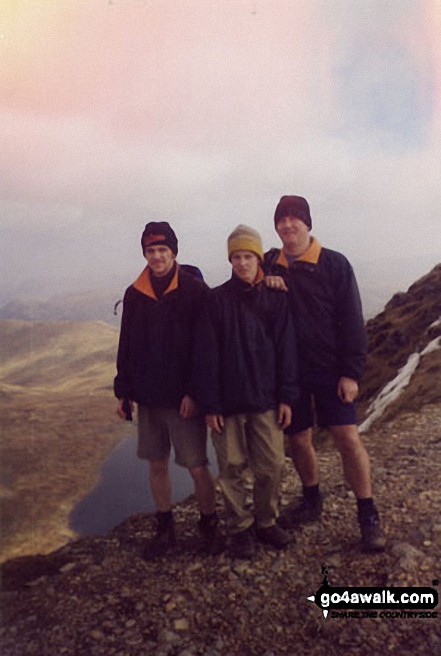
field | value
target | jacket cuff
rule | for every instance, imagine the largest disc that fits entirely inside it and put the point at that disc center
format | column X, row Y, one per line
column 122, row 392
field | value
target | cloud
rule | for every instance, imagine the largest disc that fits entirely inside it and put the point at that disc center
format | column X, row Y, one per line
column 205, row 114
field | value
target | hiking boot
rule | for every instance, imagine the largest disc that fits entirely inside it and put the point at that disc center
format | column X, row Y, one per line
column 163, row 541
column 301, row 513
column 212, row 540
column 274, row 536
column 243, row 544
column 372, row 536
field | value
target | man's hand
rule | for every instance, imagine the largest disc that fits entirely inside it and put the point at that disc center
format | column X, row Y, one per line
column 215, row 422
column 120, row 411
column 347, row 389
column 188, row 408
column 276, row 282
column 284, row 415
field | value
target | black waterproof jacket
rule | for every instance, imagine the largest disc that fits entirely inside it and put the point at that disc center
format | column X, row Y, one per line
column 326, row 308
column 246, row 358
column 156, row 341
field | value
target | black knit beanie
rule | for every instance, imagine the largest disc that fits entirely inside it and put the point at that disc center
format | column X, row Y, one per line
column 293, row 206
column 159, row 232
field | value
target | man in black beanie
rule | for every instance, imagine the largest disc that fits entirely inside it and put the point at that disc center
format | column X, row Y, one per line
column 332, row 345
column 155, row 370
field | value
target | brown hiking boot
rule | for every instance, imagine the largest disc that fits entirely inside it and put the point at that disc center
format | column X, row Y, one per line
column 163, row 541
column 301, row 513
column 243, row 544
column 372, row 536
column 274, row 536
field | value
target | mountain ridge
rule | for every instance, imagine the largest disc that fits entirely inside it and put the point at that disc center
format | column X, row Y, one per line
column 57, row 355
column 83, row 300
column 98, row 596
column 407, row 327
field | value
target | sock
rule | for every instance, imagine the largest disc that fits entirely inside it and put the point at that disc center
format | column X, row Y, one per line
column 366, row 508
column 164, row 517
column 208, row 519
column 311, row 493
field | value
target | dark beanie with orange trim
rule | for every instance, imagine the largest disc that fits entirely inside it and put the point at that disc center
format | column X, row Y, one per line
column 293, row 206
column 159, row 233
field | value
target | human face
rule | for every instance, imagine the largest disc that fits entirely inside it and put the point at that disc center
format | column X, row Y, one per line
column 294, row 235
column 245, row 265
column 160, row 259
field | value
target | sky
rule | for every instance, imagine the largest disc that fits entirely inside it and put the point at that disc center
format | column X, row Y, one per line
column 114, row 113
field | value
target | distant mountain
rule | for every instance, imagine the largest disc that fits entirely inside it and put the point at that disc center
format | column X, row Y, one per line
column 57, row 355
column 94, row 300
column 99, row 305
column 404, row 362
column 83, row 306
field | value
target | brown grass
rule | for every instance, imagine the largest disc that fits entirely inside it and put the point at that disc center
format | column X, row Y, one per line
column 58, row 423
column 51, row 449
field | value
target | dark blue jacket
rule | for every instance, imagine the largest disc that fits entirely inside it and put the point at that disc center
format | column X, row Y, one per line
column 245, row 350
column 326, row 308
column 156, row 341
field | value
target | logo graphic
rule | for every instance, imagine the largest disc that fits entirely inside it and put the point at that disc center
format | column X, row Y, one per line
column 368, row 601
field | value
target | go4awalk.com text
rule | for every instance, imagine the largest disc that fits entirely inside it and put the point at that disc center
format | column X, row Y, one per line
column 383, row 602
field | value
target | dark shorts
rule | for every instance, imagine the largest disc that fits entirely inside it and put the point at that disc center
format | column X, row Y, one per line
column 319, row 403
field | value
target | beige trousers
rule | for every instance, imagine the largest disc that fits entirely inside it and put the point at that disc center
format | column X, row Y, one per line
column 250, row 442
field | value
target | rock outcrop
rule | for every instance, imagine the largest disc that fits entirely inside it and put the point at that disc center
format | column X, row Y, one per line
column 407, row 333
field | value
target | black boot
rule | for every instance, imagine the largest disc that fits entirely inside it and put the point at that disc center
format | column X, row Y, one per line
column 372, row 536
column 164, row 540
column 212, row 540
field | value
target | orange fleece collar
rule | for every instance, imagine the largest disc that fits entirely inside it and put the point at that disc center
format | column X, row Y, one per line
column 311, row 255
column 144, row 285
column 260, row 276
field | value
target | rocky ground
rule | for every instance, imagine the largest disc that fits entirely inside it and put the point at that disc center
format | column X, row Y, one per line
column 97, row 596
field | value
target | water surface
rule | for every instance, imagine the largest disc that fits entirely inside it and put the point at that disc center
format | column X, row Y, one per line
column 123, row 490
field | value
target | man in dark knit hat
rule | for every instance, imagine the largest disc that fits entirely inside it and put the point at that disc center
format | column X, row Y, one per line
column 332, row 344
column 246, row 382
column 155, row 371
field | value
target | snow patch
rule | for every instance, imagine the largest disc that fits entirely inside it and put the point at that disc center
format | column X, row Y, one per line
column 435, row 324
column 395, row 387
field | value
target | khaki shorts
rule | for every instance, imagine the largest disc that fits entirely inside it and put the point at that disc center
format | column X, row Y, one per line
column 161, row 428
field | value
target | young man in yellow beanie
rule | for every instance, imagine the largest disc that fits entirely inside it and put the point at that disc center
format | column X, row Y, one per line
column 245, row 384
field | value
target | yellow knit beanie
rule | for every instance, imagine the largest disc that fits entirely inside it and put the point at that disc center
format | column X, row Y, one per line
column 244, row 238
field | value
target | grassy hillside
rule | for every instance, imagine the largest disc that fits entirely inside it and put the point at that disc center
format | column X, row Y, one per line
column 58, row 423
column 58, row 355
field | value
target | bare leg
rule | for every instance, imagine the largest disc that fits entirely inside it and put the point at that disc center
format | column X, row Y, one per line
column 204, row 489
column 355, row 459
column 160, row 484
column 304, row 457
